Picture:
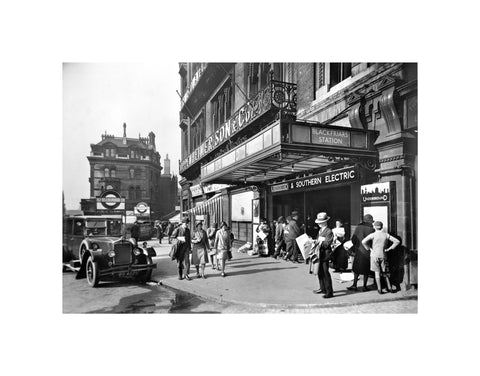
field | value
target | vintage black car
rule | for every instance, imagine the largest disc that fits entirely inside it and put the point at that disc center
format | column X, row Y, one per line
column 78, row 228
column 106, row 258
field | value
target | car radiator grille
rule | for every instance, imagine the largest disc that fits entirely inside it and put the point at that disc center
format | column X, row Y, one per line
column 123, row 254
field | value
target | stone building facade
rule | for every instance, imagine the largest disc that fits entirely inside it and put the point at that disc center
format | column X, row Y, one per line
column 131, row 167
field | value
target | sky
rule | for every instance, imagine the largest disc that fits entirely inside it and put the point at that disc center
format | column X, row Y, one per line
column 99, row 97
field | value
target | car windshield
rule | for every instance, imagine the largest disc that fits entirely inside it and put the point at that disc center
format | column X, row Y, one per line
column 114, row 227
column 96, row 227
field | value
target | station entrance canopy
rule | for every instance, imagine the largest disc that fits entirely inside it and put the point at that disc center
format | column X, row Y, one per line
column 288, row 148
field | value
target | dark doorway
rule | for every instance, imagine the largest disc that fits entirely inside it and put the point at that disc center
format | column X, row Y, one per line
column 334, row 201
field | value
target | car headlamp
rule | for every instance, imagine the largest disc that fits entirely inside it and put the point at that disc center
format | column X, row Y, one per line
column 111, row 254
column 137, row 252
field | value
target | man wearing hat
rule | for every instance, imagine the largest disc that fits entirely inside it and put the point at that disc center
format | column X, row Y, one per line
column 135, row 232
column 182, row 234
column 325, row 236
column 291, row 234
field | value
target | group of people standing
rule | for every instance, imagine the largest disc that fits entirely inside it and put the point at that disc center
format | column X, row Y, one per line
column 201, row 247
column 370, row 245
column 164, row 229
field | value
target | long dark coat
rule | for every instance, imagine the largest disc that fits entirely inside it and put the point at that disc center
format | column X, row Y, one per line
column 361, row 261
column 183, row 247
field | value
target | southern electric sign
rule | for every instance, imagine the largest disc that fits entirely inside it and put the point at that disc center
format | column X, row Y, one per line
column 110, row 202
column 327, row 178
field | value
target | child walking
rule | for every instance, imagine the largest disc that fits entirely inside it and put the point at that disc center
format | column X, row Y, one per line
column 378, row 250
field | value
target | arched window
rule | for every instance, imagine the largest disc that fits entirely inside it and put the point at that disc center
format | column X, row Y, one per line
column 113, row 173
column 138, row 193
column 132, row 173
column 107, row 172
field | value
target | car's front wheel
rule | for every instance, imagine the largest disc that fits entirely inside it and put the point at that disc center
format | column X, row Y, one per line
column 81, row 252
column 146, row 275
column 92, row 272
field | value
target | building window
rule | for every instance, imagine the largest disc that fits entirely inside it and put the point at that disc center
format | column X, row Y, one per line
column 131, row 193
column 185, row 147
column 221, row 105
column 197, row 132
column 258, row 75
column 132, row 173
column 138, row 193
column 339, row 72
column 242, row 231
column 107, row 173
column 113, row 173
column 110, row 152
column 320, row 75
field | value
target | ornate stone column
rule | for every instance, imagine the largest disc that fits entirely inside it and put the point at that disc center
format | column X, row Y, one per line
column 397, row 149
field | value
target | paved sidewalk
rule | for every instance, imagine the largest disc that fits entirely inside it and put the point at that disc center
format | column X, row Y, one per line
column 265, row 282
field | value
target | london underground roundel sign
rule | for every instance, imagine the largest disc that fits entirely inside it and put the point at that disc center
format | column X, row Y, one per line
column 110, row 199
column 141, row 208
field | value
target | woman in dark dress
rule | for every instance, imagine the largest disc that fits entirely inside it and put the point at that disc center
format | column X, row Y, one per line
column 361, row 260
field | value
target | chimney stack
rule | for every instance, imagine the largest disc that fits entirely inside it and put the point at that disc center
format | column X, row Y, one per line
column 124, row 134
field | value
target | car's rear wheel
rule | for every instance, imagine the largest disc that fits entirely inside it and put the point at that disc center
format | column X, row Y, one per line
column 146, row 275
column 92, row 272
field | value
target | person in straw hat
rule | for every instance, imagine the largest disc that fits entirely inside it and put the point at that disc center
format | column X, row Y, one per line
column 320, row 268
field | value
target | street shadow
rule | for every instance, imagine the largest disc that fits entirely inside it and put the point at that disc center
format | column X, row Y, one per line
column 234, row 261
column 244, row 266
column 246, row 272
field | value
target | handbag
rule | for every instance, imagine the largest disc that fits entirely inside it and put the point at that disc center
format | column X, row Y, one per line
column 229, row 254
column 173, row 251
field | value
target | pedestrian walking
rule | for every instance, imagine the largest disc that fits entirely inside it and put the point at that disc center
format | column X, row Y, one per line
column 279, row 237
column 292, row 233
column 211, row 233
column 222, row 245
column 169, row 231
column 361, row 259
column 182, row 234
column 135, row 232
column 200, row 249
column 159, row 229
column 379, row 240
column 323, row 245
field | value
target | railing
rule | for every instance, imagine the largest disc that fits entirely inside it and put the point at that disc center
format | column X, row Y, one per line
column 276, row 96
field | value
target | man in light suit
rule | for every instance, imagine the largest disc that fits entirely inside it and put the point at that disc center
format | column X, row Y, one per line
column 325, row 251
column 184, row 249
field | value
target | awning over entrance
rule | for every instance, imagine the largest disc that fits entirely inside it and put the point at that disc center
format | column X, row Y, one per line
column 290, row 148
column 212, row 207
